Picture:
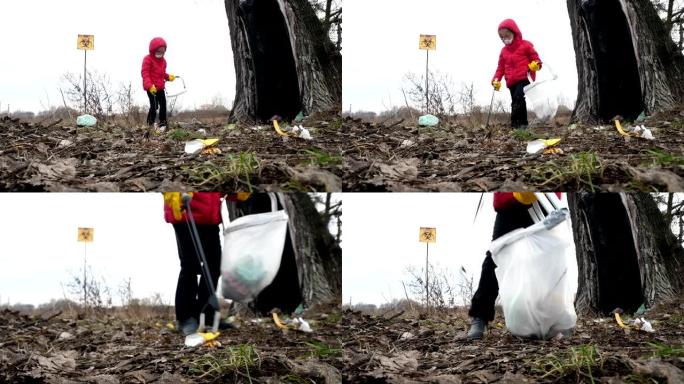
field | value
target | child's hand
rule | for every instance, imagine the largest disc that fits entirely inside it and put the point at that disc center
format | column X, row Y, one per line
column 172, row 77
column 533, row 66
column 153, row 90
column 496, row 84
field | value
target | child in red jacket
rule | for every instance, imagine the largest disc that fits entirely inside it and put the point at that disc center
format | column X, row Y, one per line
column 511, row 214
column 154, row 75
column 517, row 58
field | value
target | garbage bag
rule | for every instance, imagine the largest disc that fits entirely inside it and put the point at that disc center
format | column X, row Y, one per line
column 252, row 250
column 428, row 121
column 86, row 121
column 537, row 275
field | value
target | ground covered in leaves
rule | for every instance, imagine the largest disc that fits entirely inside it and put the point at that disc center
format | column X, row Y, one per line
column 400, row 156
column 116, row 156
column 107, row 349
column 402, row 348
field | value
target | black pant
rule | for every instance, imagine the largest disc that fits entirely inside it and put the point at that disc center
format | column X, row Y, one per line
column 482, row 304
column 157, row 101
column 518, row 104
column 191, row 296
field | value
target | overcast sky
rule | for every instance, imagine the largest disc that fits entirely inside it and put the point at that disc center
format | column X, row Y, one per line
column 381, row 239
column 381, row 46
column 38, row 46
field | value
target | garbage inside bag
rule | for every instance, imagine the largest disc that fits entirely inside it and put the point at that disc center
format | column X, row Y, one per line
column 86, row 121
column 428, row 121
column 253, row 247
column 537, row 275
column 536, row 146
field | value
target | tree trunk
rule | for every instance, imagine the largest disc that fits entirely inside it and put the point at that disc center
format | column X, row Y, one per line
column 626, row 60
column 626, row 252
column 319, row 258
column 284, row 61
column 311, row 267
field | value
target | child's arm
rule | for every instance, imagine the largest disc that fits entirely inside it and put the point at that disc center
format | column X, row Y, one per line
column 498, row 75
column 145, row 72
column 532, row 55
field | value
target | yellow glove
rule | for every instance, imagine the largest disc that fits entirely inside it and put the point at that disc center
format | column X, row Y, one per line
column 533, row 66
column 172, row 77
column 526, row 198
column 174, row 200
column 153, row 90
column 496, row 84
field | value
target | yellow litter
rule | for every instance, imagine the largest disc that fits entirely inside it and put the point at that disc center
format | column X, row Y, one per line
column 277, row 128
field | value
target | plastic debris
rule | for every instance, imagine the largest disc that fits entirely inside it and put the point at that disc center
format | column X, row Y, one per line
column 202, row 131
column 638, row 131
column 194, row 147
column 641, row 117
column 86, row 121
column 301, row 132
column 298, row 324
column 66, row 336
column 299, row 117
column 407, row 143
column 428, row 121
column 197, row 339
column 642, row 324
column 536, row 146
column 406, row 336
column 64, row 143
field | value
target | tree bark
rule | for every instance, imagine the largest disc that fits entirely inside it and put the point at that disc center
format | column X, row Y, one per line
column 319, row 258
column 626, row 60
column 284, row 61
column 626, row 252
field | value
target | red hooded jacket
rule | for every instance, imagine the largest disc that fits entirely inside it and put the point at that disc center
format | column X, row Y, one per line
column 205, row 206
column 153, row 69
column 505, row 200
column 514, row 57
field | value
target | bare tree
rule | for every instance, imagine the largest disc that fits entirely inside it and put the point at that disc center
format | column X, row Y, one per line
column 626, row 61
column 626, row 253
column 441, row 95
column 284, row 60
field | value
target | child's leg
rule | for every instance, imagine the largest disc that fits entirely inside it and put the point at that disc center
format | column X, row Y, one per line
column 187, row 305
column 152, row 114
column 161, row 99
column 518, row 104
column 482, row 303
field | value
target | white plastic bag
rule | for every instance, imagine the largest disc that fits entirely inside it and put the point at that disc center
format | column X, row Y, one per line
column 537, row 275
column 252, row 250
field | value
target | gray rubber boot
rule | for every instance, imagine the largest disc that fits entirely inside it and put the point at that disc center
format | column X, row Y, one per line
column 477, row 328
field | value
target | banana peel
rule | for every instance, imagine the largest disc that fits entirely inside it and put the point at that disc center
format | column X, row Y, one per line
column 278, row 130
column 618, row 319
column 622, row 131
column 277, row 320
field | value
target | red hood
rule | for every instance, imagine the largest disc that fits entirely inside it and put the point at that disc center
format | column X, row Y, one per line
column 155, row 44
column 511, row 25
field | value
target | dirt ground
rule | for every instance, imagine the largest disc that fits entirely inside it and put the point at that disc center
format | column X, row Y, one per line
column 112, row 348
column 403, row 348
column 400, row 156
column 115, row 156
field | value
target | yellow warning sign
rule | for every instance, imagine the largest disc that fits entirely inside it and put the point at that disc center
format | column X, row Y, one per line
column 428, row 235
column 86, row 42
column 85, row 235
column 428, row 42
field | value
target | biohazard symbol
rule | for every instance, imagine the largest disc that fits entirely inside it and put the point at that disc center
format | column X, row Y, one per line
column 86, row 42
column 428, row 235
column 428, row 42
column 85, row 235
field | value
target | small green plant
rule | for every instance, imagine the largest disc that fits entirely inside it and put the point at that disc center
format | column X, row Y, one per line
column 661, row 158
column 580, row 169
column 336, row 124
column 665, row 351
column 320, row 350
column 179, row 134
column 524, row 135
column 235, row 360
column 239, row 169
column 581, row 361
column 316, row 157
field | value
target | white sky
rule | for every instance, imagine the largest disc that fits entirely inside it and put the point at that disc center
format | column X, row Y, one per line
column 381, row 239
column 381, row 45
column 38, row 46
column 39, row 248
